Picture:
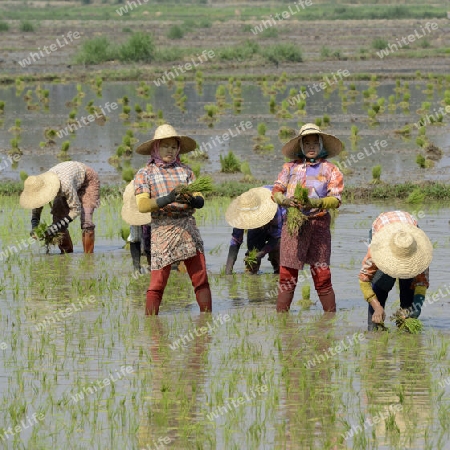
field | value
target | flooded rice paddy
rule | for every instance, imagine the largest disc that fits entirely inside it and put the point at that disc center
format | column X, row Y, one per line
column 236, row 109
column 82, row 368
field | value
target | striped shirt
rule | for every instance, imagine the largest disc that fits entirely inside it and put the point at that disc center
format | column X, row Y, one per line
column 369, row 269
column 71, row 175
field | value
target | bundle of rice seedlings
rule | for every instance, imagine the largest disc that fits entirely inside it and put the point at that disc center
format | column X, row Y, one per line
column 410, row 324
column 250, row 260
column 295, row 218
column 55, row 240
column 201, row 184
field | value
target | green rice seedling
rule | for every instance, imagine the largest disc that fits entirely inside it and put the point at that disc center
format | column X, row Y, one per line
column 272, row 105
column 326, row 119
column 376, row 174
column 420, row 160
column 23, row 175
column 128, row 174
column 39, row 233
column 230, row 163
column 286, row 133
column 421, row 141
column 413, row 326
column 262, row 128
column 295, row 218
column 318, row 121
column 417, row 196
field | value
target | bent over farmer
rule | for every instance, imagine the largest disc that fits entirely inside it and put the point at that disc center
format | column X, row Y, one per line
column 74, row 189
column 398, row 249
column 174, row 233
column 256, row 212
column 311, row 244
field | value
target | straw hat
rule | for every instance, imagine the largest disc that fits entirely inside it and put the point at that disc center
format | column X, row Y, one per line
column 401, row 250
column 130, row 210
column 253, row 209
column 165, row 131
column 39, row 190
column 331, row 144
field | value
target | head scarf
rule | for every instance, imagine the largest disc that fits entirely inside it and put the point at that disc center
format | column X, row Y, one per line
column 322, row 152
column 156, row 157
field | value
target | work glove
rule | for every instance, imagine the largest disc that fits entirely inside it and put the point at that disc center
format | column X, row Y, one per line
column 325, row 203
column 197, row 201
column 58, row 227
column 170, row 197
column 282, row 200
column 231, row 259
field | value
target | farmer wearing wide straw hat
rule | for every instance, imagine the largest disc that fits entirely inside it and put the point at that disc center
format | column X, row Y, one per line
column 256, row 212
column 398, row 249
column 74, row 189
column 139, row 228
column 312, row 244
column 175, row 236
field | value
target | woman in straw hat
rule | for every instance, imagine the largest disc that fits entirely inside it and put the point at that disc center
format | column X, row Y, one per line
column 139, row 228
column 256, row 212
column 398, row 249
column 74, row 189
column 175, row 236
column 312, row 244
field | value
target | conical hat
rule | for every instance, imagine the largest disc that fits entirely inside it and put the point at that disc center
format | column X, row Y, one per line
column 39, row 190
column 130, row 210
column 401, row 250
column 331, row 144
column 166, row 131
column 253, row 209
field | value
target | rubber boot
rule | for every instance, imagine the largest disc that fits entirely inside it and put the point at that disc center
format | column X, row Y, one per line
column 284, row 301
column 66, row 245
column 204, row 299
column 328, row 301
column 152, row 303
column 88, row 238
column 135, row 250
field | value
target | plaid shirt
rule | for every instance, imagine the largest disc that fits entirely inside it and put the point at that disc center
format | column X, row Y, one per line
column 369, row 269
column 294, row 172
column 159, row 179
column 71, row 175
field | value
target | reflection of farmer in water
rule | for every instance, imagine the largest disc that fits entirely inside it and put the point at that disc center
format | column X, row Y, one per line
column 398, row 249
column 255, row 211
column 312, row 243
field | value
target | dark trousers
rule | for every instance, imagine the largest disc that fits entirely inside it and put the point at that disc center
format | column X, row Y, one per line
column 381, row 285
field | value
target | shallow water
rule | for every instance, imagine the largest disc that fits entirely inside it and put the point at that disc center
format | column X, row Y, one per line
column 252, row 380
column 94, row 144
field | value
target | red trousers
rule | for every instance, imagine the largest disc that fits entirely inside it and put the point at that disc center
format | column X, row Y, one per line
column 196, row 268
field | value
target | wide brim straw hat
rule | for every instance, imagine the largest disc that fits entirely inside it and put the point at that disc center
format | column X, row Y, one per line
column 39, row 190
column 253, row 209
column 331, row 144
column 401, row 250
column 130, row 211
column 166, row 131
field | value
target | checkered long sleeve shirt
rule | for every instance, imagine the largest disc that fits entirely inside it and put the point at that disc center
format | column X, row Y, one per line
column 71, row 175
column 369, row 269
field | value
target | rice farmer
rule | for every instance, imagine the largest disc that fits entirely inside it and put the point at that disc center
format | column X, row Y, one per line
column 175, row 236
column 312, row 244
column 74, row 189
column 256, row 212
column 139, row 228
column 398, row 249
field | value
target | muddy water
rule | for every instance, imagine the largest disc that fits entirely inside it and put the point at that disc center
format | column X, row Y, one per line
column 94, row 144
column 248, row 382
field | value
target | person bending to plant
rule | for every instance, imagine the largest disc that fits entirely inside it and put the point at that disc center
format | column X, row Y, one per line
column 398, row 249
column 74, row 189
